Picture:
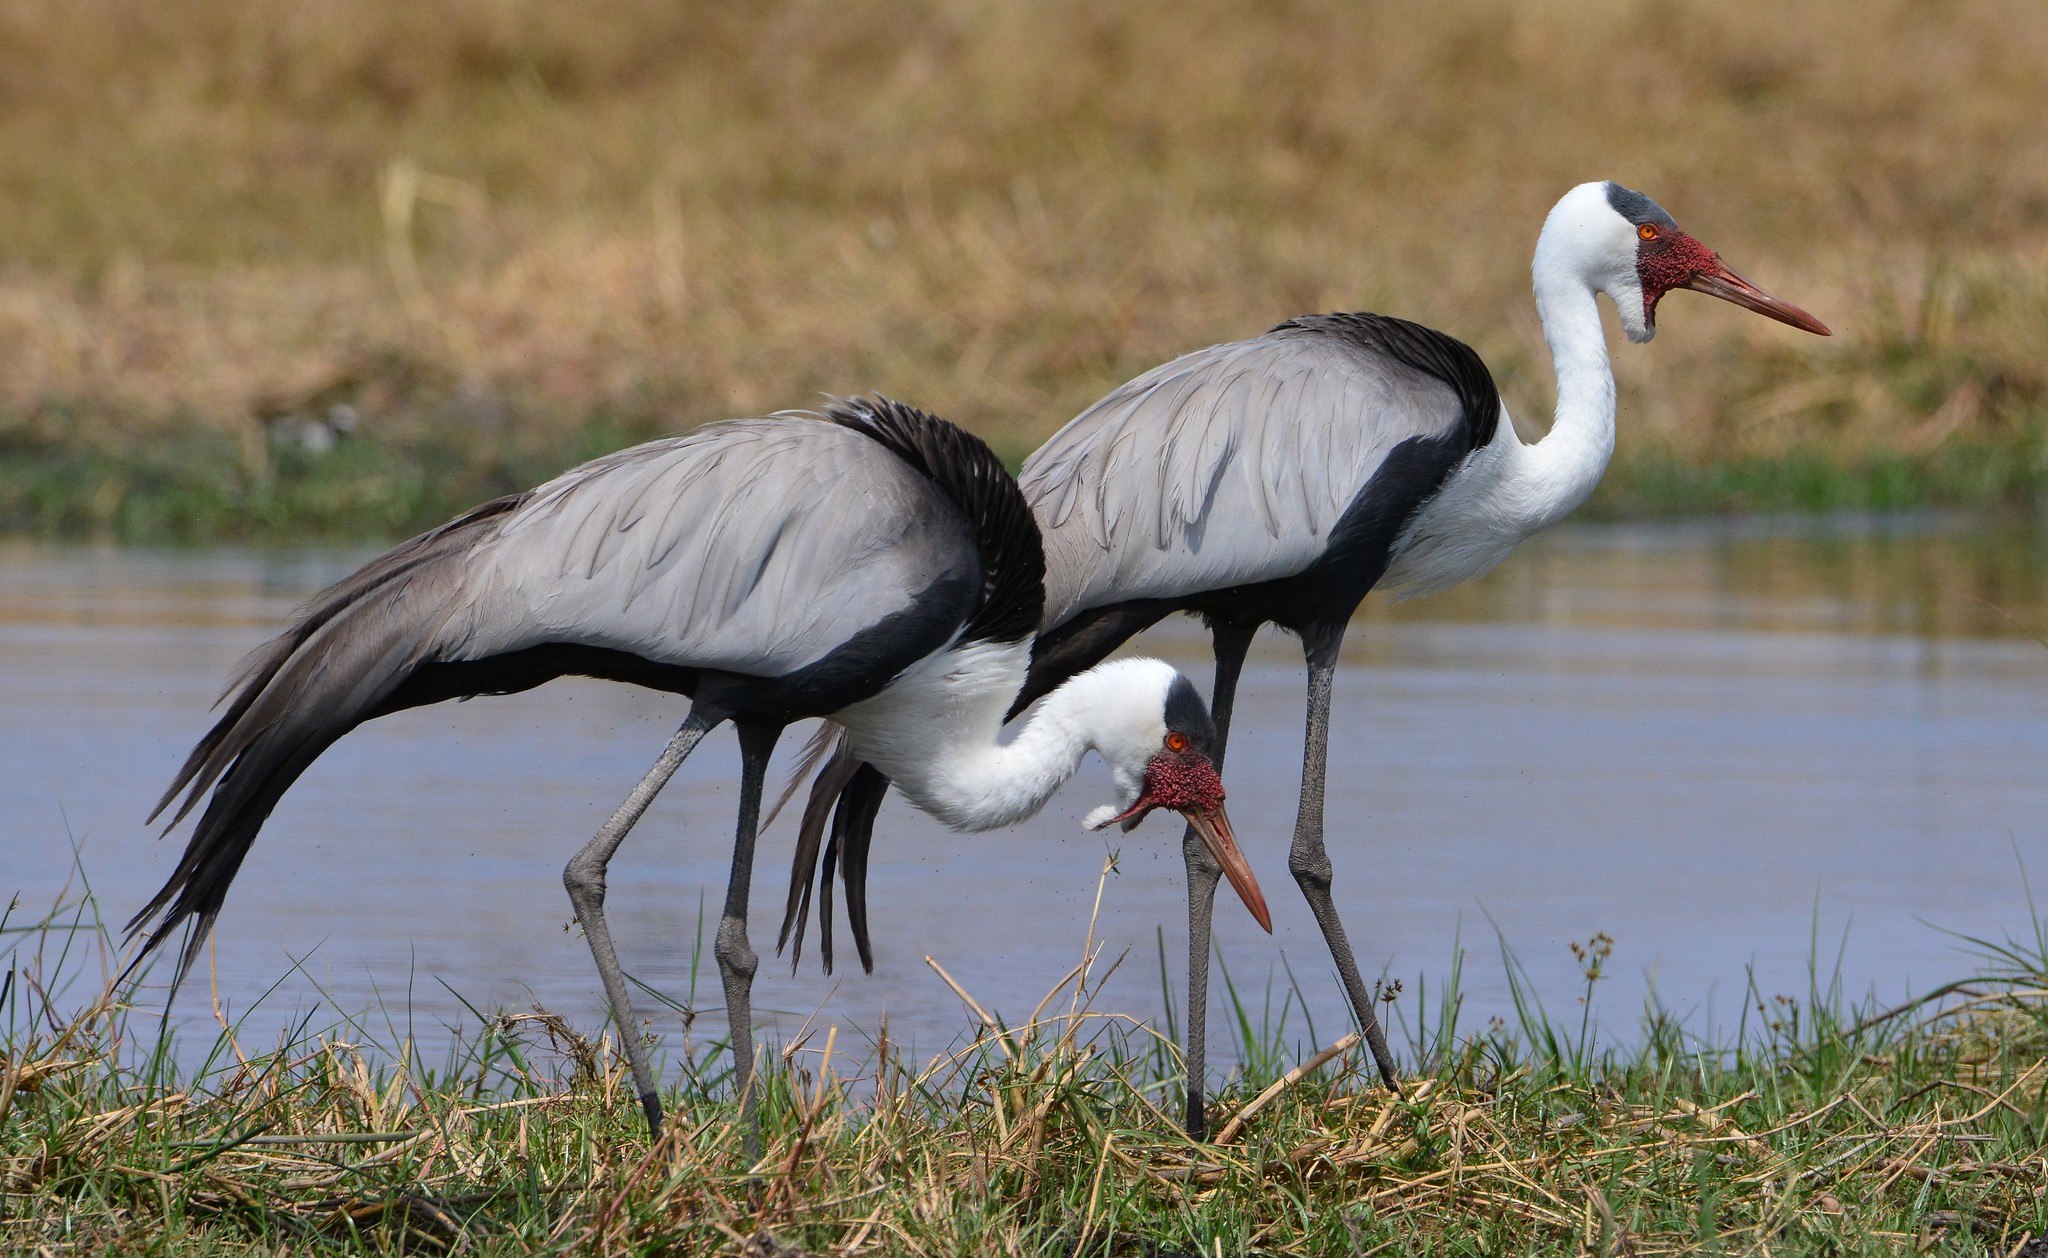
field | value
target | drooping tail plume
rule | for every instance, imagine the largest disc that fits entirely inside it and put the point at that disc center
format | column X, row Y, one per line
column 831, row 750
column 352, row 647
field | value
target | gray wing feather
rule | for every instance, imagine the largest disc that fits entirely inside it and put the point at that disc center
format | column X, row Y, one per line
column 756, row 546
column 1282, row 430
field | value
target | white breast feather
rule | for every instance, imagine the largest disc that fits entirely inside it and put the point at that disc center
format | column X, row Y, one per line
column 1463, row 533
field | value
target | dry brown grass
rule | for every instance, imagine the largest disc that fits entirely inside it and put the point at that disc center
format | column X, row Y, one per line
column 1912, row 1129
column 508, row 212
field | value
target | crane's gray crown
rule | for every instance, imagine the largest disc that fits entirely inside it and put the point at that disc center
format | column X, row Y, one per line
column 1186, row 713
column 1637, row 208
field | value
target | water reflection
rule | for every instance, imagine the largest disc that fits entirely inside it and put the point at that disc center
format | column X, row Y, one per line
column 1921, row 575
column 1719, row 744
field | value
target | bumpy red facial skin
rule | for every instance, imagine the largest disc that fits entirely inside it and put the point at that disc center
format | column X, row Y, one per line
column 1667, row 263
column 1181, row 782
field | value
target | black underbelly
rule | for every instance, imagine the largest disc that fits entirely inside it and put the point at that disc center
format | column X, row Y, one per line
column 856, row 669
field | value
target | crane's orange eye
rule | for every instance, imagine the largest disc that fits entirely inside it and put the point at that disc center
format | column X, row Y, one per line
column 1176, row 741
column 1648, row 231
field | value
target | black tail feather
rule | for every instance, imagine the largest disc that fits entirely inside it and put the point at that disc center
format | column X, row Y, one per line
column 830, row 867
column 858, row 805
column 831, row 779
column 852, row 834
column 859, row 795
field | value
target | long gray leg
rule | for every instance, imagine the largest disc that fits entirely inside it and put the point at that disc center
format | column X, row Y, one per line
column 1232, row 641
column 736, row 960
column 584, row 877
column 1309, row 861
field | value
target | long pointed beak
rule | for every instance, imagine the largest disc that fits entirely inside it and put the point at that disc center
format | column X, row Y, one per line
column 1214, row 828
column 1729, row 286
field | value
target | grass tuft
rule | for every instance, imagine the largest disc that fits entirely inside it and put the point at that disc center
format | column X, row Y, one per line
column 1824, row 1127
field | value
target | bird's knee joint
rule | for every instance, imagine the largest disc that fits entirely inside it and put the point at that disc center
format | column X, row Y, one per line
column 1311, row 874
column 734, row 954
column 583, row 881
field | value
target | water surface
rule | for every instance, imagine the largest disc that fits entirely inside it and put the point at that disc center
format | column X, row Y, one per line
column 1727, row 747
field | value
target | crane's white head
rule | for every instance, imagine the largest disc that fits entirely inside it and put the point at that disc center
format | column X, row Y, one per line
column 1617, row 241
column 1150, row 724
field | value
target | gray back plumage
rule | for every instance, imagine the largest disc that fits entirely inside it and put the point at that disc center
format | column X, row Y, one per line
column 754, row 547
column 1231, row 465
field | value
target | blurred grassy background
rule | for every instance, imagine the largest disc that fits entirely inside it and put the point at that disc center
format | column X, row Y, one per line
column 498, row 235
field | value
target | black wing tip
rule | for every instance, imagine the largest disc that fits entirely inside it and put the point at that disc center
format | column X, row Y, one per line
column 967, row 471
column 1422, row 349
column 893, row 423
column 154, row 936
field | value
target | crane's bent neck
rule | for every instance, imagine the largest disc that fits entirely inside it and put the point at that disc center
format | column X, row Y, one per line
column 936, row 733
column 1559, row 471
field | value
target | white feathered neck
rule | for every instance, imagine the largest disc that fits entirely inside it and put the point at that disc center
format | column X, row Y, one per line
column 936, row 731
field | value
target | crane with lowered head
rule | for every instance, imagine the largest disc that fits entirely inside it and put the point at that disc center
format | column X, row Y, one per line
column 873, row 564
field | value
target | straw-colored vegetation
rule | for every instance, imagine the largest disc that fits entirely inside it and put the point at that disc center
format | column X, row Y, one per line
column 500, row 234
column 1821, row 1129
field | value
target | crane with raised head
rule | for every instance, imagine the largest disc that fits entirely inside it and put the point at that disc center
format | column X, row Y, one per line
column 873, row 564
column 1279, row 480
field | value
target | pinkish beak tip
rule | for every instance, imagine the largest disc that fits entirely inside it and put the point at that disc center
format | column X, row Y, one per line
column 1730, row 287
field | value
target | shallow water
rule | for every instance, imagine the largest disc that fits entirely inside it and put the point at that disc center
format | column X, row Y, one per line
column 1732, row 749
